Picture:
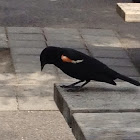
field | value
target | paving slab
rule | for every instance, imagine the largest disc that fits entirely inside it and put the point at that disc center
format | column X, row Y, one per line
column 3, row 37
column 8, row 103
column 71, row 31
column 109, row 41
column 97, row 32
column 27, row 44
column 106, row 126
column 36, row 103
column 34, row 125
column 7, row 90
column 6, row 64
column 61, row 34
column 8, row 79
column 66, row 44
column 128, row 71
column 128, row 43
column 65, row 37
column 29, row 59
column 30, row 67
column 26, row 68
column 3, row 44
column 136, row 57
column 2, row 30
column 130, row 33
column 36, row 78
column 93, row 47
column 132, row 46
column 97, row 97
column 24, row 30
column 26, row 37
column 116, row 62
column 130, row 12
column 109, row 53
column 31, row 64
column 26, row 51
column 34, row 90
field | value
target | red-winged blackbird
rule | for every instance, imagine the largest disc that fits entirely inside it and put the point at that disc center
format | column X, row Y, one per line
column 81, row 66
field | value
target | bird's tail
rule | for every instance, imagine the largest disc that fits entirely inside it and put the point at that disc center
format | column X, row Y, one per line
column 127, row 79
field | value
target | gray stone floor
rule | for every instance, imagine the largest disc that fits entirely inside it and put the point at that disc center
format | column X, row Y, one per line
column 27, row 107
column 107, row 126
column 26, row 43
column 31, row 90
column 94, row 14
column 33, row 125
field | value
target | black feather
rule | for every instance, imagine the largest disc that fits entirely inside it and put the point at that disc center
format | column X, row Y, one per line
column 127, row 79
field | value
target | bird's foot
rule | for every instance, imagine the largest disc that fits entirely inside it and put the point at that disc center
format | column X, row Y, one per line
column 74, row 89
column 66, row 86
column 71, row 88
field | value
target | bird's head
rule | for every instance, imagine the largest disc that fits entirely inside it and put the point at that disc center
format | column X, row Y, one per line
column 48, row 56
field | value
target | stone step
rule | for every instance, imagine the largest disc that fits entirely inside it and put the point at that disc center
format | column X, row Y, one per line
column 106, row 126
column 34, row 125
column 130, row 12
column 98, row 97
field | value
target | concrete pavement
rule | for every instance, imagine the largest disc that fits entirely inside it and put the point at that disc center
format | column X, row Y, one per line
column 33, row 125
column 25, row 89
column 107, row 126
column 28, row 89
column 94, row 14
column 27, row 108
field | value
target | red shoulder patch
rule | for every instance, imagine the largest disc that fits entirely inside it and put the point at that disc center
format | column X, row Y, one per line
column 66, row 59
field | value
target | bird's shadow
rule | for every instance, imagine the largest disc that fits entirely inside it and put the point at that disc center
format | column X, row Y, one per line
column 103, row 89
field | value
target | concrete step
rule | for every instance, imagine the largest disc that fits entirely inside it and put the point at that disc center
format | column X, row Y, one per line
column 98, row 97
column 106, row 126
column 130, row 12
column 34, row 125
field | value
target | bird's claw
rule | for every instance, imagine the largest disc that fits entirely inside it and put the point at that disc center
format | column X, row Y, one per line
column 71, row 88
column 65, row 86
column 74, row 89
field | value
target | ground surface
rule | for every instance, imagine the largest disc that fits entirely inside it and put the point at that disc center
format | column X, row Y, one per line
column 42, row 13
column 6, row 65
column 27, row 109
column 31, row 90
column 74, row 14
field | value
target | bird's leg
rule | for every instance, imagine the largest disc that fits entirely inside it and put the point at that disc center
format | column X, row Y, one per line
column 87, row 81
column 71, row 85
column 78, row 88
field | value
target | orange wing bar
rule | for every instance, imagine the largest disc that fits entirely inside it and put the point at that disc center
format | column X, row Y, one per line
column 66, row 59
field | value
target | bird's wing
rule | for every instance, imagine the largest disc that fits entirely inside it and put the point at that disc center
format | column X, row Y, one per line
column 72, row 56
column 86, row 62
column 68, row 60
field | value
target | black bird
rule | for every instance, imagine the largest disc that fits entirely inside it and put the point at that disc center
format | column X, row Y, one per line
column 81, row 66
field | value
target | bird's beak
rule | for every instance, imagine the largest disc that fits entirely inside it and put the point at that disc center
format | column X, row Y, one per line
column 42, row 66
